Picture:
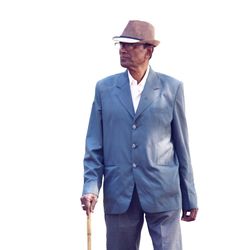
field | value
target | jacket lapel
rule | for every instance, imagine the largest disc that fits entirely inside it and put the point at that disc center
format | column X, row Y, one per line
column 151, row 91
column 124, row 93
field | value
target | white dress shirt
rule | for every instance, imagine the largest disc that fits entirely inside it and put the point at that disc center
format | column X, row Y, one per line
column 136, row 89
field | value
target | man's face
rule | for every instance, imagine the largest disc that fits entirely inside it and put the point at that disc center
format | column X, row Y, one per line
column 134, row 55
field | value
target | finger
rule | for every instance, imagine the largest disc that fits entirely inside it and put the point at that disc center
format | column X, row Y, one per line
column 83, row 207
column 189, row 215
column 193, row 213
column 85, row 202
column 186, row 216
column 87, row 207
column 93, row 203
column 82, row 203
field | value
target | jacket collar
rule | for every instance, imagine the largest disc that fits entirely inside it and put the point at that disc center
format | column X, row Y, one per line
column 150, row 93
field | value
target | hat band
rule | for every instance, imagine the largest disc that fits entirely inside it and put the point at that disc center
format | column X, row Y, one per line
column 126, row 39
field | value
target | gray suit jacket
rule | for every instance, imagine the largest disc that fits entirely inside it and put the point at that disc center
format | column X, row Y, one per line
column 148, row 148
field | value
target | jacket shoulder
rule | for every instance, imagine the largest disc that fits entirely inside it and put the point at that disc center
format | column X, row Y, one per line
column 109, row 81
column 168, row 80
column 170, row 85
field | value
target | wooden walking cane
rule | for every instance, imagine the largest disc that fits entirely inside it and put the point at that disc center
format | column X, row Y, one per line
column 89, row 230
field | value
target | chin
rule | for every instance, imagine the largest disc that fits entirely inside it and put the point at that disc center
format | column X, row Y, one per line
column 124, row 65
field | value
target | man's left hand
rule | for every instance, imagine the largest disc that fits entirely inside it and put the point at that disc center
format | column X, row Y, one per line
column 189, row 215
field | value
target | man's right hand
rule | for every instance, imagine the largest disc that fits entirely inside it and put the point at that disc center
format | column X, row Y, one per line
column 88, row 202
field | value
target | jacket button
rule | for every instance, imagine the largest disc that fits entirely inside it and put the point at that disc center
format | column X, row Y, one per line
column 134, row 165
column 133, row 145
column 134, row 126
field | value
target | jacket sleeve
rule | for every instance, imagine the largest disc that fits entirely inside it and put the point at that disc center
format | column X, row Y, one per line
column 93, row 159
column 180, row 141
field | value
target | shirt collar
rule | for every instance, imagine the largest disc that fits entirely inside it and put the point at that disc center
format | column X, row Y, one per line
column 142, row 82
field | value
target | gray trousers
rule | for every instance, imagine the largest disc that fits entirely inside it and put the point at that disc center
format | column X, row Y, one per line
column 124, row 230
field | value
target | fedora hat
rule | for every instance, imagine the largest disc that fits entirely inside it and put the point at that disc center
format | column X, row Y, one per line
column 138, row 32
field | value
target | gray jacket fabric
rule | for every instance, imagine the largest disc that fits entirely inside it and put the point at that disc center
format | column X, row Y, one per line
column 147, row 148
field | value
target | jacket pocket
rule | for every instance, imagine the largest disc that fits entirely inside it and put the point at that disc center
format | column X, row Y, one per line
column 164, row 153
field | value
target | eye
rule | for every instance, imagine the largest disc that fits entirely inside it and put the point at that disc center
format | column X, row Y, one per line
column 130, row 46
column 126, row 45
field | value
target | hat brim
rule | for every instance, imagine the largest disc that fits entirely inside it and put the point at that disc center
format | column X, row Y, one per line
column 125, row 39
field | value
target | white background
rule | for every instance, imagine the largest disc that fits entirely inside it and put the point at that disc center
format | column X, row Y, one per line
column 51, row 55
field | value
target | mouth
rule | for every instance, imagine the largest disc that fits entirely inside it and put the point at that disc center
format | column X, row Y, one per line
column 124, row 57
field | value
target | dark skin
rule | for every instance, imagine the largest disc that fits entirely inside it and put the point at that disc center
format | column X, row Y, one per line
column 134, row 57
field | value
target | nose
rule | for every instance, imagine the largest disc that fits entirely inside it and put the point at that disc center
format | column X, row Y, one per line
column 122, row 51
